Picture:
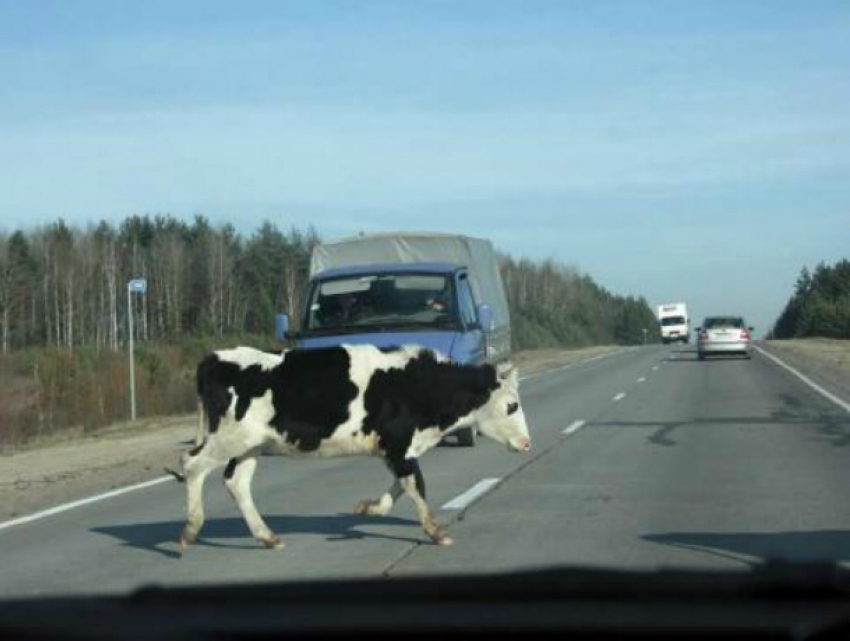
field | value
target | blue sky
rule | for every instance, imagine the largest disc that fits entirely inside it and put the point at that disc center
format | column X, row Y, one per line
column 678, row 150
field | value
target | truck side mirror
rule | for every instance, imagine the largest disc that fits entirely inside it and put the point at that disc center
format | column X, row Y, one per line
column 485, row 318
column 281, row 327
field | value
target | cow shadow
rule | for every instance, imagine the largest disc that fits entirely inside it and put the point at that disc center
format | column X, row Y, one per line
column 756, row 548
column 161, row 537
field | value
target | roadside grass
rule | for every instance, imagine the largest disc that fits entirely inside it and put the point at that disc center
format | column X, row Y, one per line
column 49, row 395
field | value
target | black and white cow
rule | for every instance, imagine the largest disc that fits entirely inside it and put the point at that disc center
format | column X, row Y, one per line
column 337, row 401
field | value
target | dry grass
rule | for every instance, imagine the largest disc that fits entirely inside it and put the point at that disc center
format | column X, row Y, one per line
column 833, row 352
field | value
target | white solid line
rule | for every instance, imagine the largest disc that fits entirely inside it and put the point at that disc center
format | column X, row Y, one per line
column 642, row 379
column 575, row 427
column 92, row 499
column 472, row 494
column 619, row 397
column 841, row 403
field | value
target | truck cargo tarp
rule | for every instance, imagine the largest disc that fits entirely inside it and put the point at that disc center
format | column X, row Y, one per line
column 476, row 254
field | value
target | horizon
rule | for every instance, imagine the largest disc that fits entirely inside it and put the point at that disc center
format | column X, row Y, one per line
column 697, row 153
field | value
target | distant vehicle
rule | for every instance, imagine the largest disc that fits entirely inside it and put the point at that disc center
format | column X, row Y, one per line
column 724, row 335
column 442, row 291
column 675, row 323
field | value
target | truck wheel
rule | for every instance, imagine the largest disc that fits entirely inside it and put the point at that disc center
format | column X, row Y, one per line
column 466, row 436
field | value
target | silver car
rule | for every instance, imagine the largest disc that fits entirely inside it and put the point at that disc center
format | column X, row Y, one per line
column 724, row 335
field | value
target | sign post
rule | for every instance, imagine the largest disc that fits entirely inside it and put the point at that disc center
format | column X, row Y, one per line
column 135, row 286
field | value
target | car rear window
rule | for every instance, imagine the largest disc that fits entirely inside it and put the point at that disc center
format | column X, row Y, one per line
column 724, row 323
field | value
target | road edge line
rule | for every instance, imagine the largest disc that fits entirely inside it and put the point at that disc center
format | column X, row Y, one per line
column 823, row 392
column 65, row 507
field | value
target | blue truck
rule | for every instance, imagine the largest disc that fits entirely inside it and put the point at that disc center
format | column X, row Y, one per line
column 441, row 291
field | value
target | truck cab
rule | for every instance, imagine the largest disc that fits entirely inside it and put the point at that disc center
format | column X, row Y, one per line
column 385, row 305
column 675, row 323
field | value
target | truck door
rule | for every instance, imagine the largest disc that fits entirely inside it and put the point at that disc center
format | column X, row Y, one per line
column 471, row 347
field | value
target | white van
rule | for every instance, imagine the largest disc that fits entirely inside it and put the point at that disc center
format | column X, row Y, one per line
column 675, row 323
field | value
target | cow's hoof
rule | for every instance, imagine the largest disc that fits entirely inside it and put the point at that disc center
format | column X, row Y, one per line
column 364, row 507
column 272, row 542
column 371, row 507
column 187, row 538
column 442, row 538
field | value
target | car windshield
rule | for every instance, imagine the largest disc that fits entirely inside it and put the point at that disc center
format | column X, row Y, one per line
column 324, row 290
column 369, row 301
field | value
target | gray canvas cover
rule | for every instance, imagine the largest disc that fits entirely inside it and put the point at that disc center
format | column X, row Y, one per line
column 477, row 254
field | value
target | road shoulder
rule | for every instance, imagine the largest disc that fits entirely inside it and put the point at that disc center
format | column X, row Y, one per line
column 824, row 361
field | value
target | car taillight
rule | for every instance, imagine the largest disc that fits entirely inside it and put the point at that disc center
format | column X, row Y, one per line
column 745, row 335
column 703, row 336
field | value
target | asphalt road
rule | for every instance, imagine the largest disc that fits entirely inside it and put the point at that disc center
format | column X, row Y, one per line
column 666, row 462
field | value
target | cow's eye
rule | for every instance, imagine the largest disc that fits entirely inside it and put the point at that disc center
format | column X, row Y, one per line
column 512, row 407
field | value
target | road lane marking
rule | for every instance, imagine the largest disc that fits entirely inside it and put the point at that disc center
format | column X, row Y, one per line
column 655, row 369
column 74, row 504
column 841, row 403
column 575, row 427
column 619, row 397
column 474, row 493
column 642, row 379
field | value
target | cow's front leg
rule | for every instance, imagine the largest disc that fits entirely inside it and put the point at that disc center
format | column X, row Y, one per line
column 196, row 464
column 237, row 479
column 413, row 483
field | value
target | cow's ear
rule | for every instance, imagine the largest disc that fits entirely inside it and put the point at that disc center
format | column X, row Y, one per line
column 509, row 375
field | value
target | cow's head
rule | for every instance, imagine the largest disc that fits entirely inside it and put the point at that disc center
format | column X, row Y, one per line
column 502, row 418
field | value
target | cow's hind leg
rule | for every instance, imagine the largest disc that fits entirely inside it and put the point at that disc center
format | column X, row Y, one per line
column 383, row 505
column 411, row 480
column 237, row 478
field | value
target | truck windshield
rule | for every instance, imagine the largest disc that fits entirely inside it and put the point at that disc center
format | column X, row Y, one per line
column 673, row 320
column 411, row 301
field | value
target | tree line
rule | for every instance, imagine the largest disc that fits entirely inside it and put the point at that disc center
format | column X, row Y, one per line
column 819, row 306
column 66, row 287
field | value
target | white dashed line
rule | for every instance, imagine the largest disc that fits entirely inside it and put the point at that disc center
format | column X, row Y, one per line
column 74, row 504
column 619, row 397
column 478, row 490
column 655, row 369
column 841, row 403
column 642, row 379
column 575, row 427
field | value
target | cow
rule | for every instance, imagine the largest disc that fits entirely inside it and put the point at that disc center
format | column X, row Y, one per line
column 395, row 403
